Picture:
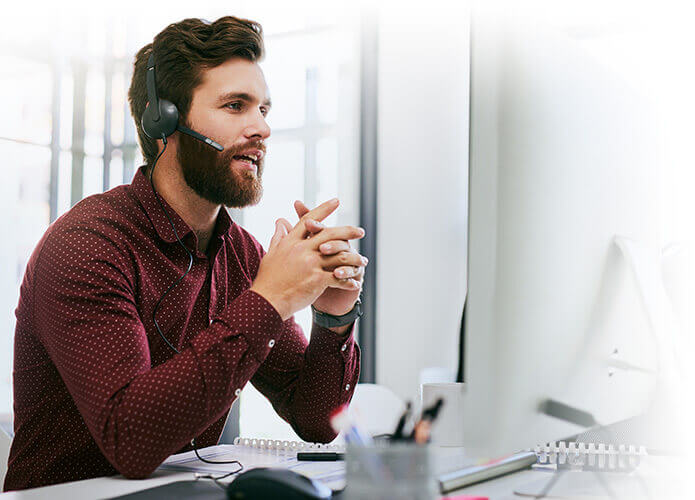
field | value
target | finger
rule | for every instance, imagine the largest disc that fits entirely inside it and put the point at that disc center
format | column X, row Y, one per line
column 334, row 247
column 287, row 224
column 280, row 232
column 347, row 284
column 300, row 208
column 347, row 272
column 313, row 226
column 344, row 259
column 337, row 233
column 318, row 214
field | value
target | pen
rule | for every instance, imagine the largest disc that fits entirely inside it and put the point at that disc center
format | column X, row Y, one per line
column 421, row 431
column 398, row 433
column 320, row 456
column 341, row 422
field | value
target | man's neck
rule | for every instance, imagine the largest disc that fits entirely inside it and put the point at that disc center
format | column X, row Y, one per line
column 197, row 212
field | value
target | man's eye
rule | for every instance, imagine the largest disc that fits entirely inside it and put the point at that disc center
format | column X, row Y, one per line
column 264, row 111
column 234, row 105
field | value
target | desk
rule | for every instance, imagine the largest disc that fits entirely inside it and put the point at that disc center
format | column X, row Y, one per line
column 675, row 484
column 106, row 487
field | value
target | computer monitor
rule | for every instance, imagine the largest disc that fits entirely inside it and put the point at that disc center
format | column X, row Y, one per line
column 563, row 158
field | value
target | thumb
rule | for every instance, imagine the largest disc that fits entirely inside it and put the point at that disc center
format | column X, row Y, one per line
column 280, row 232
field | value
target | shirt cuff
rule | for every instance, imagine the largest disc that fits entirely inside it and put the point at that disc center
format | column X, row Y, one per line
column 249, row 315
column 334, row 342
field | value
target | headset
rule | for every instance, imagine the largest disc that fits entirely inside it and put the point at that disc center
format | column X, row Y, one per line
column 161, row 117
column 159, row 120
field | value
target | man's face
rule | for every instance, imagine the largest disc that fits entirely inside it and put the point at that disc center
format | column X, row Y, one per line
column 229, row 106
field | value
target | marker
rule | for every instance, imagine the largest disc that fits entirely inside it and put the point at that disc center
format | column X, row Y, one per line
column 341, row 422
column 320, row 456
column 398, row 433
column 421, row 432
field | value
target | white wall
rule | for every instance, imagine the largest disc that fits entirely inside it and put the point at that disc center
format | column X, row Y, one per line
column 566, row 152
column 422, row 190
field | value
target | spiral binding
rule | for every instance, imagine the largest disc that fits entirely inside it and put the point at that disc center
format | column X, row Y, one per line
column 590, row 456
column 280, row 445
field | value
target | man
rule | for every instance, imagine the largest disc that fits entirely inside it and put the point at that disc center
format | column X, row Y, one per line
column 98, row 390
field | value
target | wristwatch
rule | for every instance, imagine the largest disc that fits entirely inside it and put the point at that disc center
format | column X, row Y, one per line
column 330, row 321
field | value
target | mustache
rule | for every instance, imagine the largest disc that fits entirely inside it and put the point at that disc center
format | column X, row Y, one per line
column 238, row 148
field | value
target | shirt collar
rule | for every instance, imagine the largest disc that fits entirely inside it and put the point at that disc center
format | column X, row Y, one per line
column 143, row 192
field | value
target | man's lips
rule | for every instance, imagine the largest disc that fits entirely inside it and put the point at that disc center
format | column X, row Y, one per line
column 255, row 154
column 246, row 164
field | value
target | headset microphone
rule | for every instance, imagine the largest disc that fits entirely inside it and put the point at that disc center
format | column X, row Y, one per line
column 200, row 137
column 161, row 117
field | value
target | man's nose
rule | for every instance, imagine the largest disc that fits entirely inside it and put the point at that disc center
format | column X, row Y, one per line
column 258, row 128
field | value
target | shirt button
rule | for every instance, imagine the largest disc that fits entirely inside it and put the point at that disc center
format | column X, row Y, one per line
column 347, row 387
column 271, row 343
column 344, row 347
column 237, row 392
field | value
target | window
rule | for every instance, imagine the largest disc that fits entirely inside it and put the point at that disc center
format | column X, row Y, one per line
column 67, row 131
column 312, row 155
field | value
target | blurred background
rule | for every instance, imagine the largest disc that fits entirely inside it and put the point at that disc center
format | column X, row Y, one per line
column 67, row 132
column 373, row 103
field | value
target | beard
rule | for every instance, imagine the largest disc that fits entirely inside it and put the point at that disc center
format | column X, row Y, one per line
column 210, row 174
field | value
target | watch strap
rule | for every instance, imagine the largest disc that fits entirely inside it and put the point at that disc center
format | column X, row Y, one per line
column 331, row 321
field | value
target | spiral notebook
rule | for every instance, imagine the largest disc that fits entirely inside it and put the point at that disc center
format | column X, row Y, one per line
column 252, row 453
column 280, row 445
column 591, row 456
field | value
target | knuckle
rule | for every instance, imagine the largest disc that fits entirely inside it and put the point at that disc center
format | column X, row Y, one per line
column 309, row 259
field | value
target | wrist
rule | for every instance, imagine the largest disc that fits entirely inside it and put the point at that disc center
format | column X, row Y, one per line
column 275, row 300
column 341, row 330
column 331, row 321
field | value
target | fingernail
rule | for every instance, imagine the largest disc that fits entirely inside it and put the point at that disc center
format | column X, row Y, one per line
column 362, row 231
column 365, row 260
column 334, row 200
column 341, row 273
column 325, row 247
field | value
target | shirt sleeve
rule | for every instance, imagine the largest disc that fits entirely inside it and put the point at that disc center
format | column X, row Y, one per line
column 86, row 317
column 306, row 381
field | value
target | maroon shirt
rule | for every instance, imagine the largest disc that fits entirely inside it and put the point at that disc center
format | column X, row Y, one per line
column 96, row 389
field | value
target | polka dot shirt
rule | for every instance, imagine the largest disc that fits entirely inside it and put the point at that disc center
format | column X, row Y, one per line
column 98, row 392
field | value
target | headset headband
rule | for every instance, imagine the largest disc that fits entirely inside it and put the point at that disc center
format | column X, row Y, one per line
column 152, row 88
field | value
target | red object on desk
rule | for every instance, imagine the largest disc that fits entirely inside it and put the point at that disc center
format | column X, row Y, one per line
column 464, row 497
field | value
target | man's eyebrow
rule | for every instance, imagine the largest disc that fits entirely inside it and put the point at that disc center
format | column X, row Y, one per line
column 243, row 96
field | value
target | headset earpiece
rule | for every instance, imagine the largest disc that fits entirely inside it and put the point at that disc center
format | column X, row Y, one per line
column 165, row 124
column 160, row 118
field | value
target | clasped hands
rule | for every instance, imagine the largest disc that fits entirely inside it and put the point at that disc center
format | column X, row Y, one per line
column 309, row 263
column 339, row 257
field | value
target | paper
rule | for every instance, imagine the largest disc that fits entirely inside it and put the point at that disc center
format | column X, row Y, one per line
column 332, row 474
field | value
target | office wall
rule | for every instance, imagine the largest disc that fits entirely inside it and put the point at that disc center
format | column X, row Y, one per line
column 568, row 149
column 422, row 190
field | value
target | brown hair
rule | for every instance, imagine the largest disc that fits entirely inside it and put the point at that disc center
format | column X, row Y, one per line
column 182, row 51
